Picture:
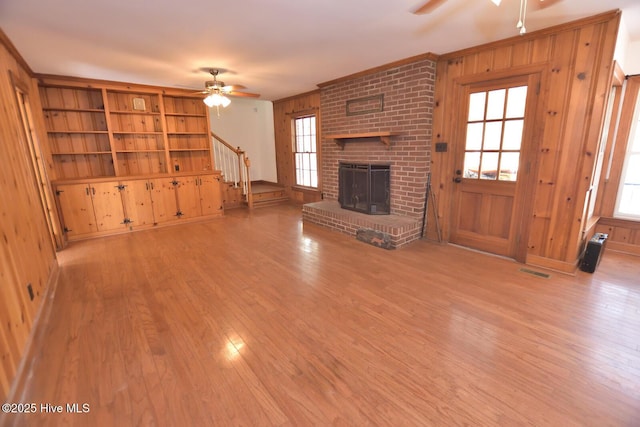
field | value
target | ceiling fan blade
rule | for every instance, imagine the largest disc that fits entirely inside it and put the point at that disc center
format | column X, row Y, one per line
column 229, row 88
column 542, row 4
column 428, row 7
column 243, row 94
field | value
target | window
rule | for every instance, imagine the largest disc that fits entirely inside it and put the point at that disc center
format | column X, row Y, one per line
column 628, row 203
column 306, row 159
column 494, row 134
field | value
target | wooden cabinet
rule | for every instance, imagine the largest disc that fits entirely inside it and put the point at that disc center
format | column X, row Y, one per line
column 90, row 208
column 113, row 206
column 211, row 194
column 149, row 201
column 199, row 195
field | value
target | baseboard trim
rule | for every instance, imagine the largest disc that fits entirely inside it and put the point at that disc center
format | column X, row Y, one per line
column 552, row 264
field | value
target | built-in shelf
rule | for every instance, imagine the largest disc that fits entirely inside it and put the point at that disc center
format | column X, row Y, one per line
column 139, row 151
column 342, row 138
column 78, row 153
column 185, row 115
column 78, row 131
column 76, row 110
column 118, row 132
column 187, row 133
column 136, row 112
column 188, row 149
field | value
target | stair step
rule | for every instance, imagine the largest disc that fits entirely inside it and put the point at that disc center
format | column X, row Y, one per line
column 269, row 202
column 268, row 195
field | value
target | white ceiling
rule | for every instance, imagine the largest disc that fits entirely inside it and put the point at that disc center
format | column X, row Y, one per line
column 277, row 48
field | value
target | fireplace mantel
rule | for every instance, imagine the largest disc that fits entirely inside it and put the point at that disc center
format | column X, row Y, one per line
column 384, row 137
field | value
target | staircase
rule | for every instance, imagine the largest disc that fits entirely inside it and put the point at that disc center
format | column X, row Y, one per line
column 238, row 189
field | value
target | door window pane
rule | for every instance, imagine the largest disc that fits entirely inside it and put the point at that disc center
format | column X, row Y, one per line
column 489, row 169
column 492, row 135
column 509, row 163
column 517, row 99
column 471, row 164
column 474, row 136
column 512, row 134
column 495, row 104
column 476, row 106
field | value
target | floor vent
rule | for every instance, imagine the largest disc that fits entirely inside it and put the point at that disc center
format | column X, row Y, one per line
column 535, row 273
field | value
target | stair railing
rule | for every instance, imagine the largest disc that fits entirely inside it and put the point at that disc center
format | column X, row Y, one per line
column 234, row 165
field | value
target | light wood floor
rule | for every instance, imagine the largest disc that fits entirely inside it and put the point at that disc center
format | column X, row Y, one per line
column 253, row 319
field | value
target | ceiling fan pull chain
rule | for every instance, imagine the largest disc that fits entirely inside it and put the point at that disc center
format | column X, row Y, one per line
column 520, row 23
column 523, row 30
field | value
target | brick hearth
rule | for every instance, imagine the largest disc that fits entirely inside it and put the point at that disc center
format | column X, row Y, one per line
column 328, row 213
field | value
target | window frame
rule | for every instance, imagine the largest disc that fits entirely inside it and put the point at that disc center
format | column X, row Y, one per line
column 294, row 141
column 634, row 129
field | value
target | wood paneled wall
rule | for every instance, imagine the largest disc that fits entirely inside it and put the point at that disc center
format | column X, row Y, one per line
column 575, row 61
column 27, row 255
column 283, row 111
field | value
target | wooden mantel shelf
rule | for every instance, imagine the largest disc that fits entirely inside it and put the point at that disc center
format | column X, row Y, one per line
column 384, row 137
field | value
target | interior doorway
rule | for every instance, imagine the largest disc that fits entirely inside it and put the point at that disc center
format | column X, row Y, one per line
column 39, row 171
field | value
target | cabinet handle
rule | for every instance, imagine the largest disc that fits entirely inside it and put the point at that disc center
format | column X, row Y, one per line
column 93, row 190
column 86, row 190
column 146, row 184
column 151, row 183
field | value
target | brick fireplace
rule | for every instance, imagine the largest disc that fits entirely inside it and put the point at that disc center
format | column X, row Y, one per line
column 397, row 132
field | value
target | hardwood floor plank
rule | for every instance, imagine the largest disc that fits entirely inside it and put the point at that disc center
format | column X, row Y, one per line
column 255, row 319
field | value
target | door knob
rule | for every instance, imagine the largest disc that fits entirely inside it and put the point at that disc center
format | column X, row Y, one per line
column 457, row 180
column 458, row 172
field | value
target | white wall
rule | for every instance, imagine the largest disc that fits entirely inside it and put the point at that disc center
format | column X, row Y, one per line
column 248, row 123
column 632, row 62
column 627, row 51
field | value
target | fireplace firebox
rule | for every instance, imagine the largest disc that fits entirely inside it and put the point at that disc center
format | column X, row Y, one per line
column 365, row 188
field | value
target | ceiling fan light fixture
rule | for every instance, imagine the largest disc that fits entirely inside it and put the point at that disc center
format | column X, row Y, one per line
column 496, row 2
column 217, row 100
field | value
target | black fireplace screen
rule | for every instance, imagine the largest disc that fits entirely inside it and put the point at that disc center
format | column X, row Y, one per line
column 365, row 188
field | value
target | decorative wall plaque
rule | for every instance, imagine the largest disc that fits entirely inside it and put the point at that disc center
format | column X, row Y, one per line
column 366, row 105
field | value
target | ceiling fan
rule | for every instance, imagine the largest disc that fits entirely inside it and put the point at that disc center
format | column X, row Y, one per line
column 217, row 91
column 430, row 5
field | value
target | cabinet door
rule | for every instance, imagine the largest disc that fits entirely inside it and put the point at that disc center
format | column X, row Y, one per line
column 76, row 207
column 188, row 196
column 107, row 205
column 138, row 206
column 210, row 194
column 163, row 197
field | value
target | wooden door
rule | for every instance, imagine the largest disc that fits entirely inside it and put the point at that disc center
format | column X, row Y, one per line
column 138, row 205
column 76, row 208
column 163, row 198
column 491, row 155
column 210, row 194
column 188, row 196
column 107, row 205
